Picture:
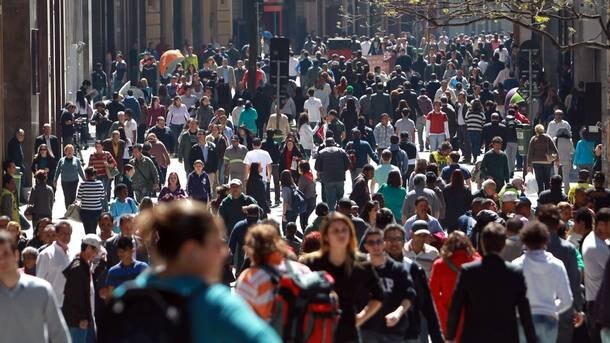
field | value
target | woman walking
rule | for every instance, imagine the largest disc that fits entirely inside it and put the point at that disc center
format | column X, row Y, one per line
column 70, row 169
column 541, row 154
column 91, row 195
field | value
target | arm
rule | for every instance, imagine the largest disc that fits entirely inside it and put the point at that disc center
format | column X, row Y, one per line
column 57, row 329
column 447, row 130
column 427, row 129
column 368, row 311
column 563, row 291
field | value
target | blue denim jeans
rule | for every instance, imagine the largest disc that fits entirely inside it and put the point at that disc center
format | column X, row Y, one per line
column 82, row 335
column 475, row 141
column 546, row 329
column 89, row 219
column 436, row 139
column 334, row 192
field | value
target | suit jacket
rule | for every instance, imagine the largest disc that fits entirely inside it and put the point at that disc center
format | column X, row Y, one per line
column 487, row 292
column 211, row 164
column 55, row 147
column 118, row 157
column 112, row 251
column 231, row 79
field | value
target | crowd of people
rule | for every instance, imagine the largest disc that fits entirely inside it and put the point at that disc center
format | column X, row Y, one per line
column 453, row 247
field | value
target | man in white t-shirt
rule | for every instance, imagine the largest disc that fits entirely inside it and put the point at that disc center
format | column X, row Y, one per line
column 502, row 53
column 259, row 156
column 595, row 253
column 556, row 124
column 130, row 126
column 314, row 108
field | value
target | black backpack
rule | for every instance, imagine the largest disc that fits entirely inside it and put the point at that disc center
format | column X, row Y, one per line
column 397, row 159
column 148, row 314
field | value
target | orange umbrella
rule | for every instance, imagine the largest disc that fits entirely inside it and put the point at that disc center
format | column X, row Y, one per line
column 168, row 62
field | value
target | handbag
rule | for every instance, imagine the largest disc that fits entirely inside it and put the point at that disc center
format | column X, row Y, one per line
column 73, row 212
column 112, row 172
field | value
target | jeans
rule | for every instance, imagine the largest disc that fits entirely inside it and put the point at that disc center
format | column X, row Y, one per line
column 543, row 175
column 546, row 329
column 221, row 172
column 106, row 182
column 162, row 175
column 464, row 141
column 69, row 188
column 511, row 153
column 475, row 143
column 304, row 217
column 436, row 139
column 369, row 336
column 82, row 335
column 89, row 219
column 420, row 124
column 275, row 173
column 334, row 192
column 176, row 130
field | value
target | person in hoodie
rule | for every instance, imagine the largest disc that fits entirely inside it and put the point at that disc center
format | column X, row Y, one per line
column 78, row 294
column 238, row 235
column 547, row 281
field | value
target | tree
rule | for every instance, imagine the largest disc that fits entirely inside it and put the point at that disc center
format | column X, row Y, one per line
column 534, row 15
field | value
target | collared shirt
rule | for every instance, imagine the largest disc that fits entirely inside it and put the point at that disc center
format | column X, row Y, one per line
column 31, row 313
column 424, row 258
column 204, row 151
column 50, row 266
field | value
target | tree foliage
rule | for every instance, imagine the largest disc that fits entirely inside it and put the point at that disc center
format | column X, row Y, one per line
column 535, row 15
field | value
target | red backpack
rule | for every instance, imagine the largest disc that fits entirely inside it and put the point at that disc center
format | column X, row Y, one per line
column 304, row 308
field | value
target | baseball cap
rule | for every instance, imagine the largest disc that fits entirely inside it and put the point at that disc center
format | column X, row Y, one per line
column 235, row 182
column 509, row 197
column 92, row 240
column 420, row 227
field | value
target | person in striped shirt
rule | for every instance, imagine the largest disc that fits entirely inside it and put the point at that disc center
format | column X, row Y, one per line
column 475, row 119
column 100, row 160
column 91, row 195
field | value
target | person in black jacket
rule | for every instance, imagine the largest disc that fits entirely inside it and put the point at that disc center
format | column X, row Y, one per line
column 555, row 194
column 206, row 152
column 361, row 193
column 494, row 129
column 77, row 293
column 50, row 140
column 394, row 241
column 487, row 293
column 255, row 187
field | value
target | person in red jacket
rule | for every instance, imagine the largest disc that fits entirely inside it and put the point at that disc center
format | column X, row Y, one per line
column 456, row 251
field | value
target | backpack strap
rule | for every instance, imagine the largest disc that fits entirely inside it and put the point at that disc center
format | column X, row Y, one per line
column 451, row 265
column 272, row 272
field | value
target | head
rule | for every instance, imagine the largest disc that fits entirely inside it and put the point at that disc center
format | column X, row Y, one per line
column 90, row 247
column 493, row 238
column 338, row 232
column 263, row 241
column 187, row 238
column 63, row 232
column 373, row 242
column 235, row 188
column 496, row 143
column 105, row 222
column 456, row 241
column 602, row 223
column 422, row 206
column 9, row 253
column 198, row 166
column 548, row 214
column 126, row 225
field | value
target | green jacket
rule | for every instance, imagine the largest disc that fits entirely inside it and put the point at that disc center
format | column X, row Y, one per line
column 146, row 175
column 495, row 166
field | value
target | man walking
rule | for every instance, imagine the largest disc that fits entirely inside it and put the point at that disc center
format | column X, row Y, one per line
column 488, row 317
column 332, row 163
column 30, row 312
column 495, row 164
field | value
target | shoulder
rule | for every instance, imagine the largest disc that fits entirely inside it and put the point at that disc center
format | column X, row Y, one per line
column 34, row 283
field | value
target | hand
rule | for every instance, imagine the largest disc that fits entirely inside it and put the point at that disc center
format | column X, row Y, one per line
column 391, row 319
column 83, row 324
column 578, row 319
column 359, row 319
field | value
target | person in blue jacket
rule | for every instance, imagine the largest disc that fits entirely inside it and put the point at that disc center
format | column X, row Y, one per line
column 198, row 184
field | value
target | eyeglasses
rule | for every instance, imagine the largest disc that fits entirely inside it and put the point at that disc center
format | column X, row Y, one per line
column 374, row 242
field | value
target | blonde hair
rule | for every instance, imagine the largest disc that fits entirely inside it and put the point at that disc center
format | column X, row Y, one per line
column 539, row 129
column 352, row 246
column 68, row 146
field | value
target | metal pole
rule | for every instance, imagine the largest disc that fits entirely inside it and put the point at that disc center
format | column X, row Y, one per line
column 252, row 24
column 277, row 95
column 531, row 88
